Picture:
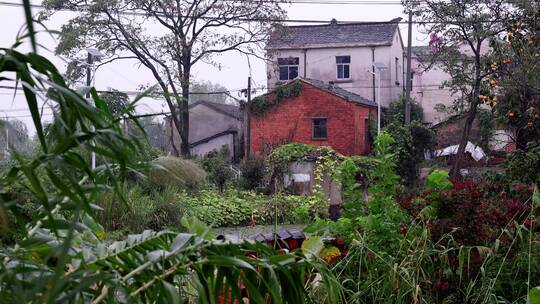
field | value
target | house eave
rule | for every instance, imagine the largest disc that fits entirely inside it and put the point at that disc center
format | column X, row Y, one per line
column 325, row 46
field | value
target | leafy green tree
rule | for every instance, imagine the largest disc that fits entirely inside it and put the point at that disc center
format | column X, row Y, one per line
column 460, row 33
column 515, row 85
column 60, row 255
column 14, row 137
column 219, row 93
column 116, row 100
column 409, row 145
column 218, row 166
column 396, row 112
column 182, row 34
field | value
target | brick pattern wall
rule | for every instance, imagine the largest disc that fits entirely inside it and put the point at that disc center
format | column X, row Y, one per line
column 291, row 121
column 449, row 133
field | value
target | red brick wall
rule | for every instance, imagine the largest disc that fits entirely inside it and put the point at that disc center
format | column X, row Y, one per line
column 291, row 121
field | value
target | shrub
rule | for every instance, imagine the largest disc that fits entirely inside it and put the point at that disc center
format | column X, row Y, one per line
column 474, row 213
column 252, row 172
column 410, row 143
column 396, row 112
column 176, row 172
column 524, row 166
column 218, row 167
column 230, row 208
column 156, row 210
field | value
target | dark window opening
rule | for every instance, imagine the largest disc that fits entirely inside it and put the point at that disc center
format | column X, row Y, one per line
column 343, row 64
column 320, row 130
column 397, row 71
column 288, row 68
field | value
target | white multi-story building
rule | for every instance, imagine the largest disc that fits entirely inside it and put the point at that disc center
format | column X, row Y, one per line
column 342, row 54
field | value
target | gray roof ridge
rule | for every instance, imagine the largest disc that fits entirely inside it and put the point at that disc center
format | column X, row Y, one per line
column 344, row 23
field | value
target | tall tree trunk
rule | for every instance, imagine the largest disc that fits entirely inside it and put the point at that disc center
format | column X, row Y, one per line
column 464, row 139
column 184, row 117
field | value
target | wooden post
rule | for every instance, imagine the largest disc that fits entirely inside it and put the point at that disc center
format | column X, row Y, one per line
column 409, row 82
column 247, row 121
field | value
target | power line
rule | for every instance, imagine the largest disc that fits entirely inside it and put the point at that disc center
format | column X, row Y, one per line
column 129, row 93
column 145, row 14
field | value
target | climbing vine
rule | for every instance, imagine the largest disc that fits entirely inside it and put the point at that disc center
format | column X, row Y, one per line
column 261, row 104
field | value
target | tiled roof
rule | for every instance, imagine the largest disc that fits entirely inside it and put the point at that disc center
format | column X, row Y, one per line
column 334, row 34
column 227, row 109
column 336, row 90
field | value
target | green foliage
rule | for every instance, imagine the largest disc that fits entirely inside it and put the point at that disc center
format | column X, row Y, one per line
column 279, row 159
column 230, row 208
column 516, row 81
column 157, row 210
column 410, row 143
column 378, row 219
column 534, row 295
column 218, row 167
column 252, row 172
column 439, row 180
column 168, row 171
column 290, row 152
column 61, row 257
column 396, row 112
column 234, row 208
column 524, row 166
column 261, row 104
column 487, row 128
column 207, row 86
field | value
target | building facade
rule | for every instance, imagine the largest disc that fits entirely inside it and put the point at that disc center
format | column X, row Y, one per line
column 211, row 127
column 342, row 54
column 321, row 115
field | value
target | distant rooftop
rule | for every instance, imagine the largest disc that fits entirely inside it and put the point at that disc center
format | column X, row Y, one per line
column 334, row 34
column 339, row 91
column 227, row 109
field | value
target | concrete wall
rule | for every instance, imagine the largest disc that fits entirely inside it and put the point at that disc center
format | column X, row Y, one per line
column 427, row 92
column 301, row 178
column 205, row 122
column 321, row 65
column 228, row 140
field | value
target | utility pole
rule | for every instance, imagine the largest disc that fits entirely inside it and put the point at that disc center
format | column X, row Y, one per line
column 409, row 82
column 247, row 121
column 89, row 62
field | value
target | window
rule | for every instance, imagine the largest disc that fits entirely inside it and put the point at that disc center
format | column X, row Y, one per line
column 343, row 67
column 397, row 71
column 319, row 128
column 288, row 68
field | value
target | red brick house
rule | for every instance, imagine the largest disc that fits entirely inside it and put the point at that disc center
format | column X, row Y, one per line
column 321, row 114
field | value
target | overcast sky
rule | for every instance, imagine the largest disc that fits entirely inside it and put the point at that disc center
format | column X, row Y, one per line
column 234, row 70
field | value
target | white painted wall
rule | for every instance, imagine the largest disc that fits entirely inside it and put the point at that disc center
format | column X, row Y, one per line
column 321, row 65
column 215, row 144
column 427, row 92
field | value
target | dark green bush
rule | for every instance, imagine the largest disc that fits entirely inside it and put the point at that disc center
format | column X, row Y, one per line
column 156, row 210
column 410, row 143
column 252, row 173
column 524, row 166
column 218, row 167
column 168, row 171
column 396, row 112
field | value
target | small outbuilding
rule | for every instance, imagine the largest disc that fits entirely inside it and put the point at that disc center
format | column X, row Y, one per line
column 211, row 127
column 312, row 112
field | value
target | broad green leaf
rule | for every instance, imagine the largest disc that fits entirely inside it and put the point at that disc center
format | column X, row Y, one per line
column 312, row 245
column 534, row 295
column 172, row 294
column 180, row 241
